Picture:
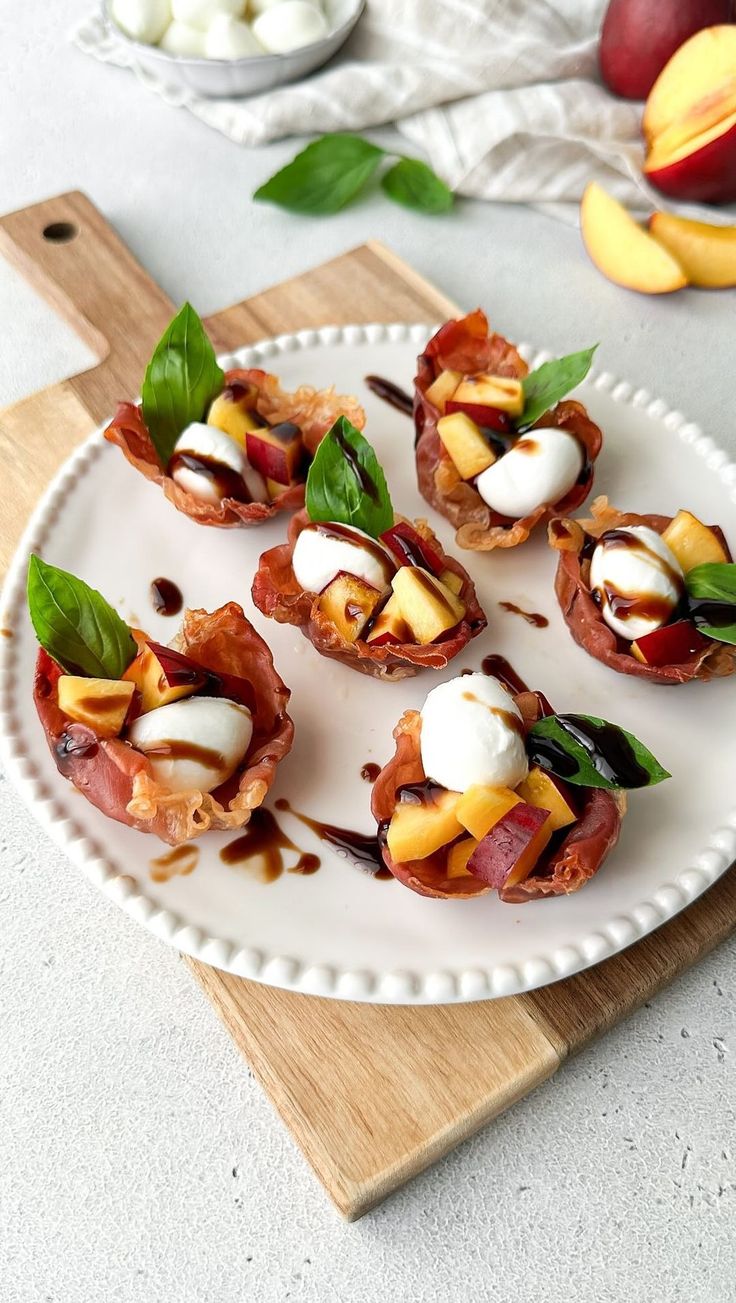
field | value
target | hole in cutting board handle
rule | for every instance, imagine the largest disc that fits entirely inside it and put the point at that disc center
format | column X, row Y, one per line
column 60, row 232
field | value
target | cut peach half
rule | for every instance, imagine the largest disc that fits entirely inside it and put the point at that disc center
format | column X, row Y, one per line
column 622, row 250
column 702, row 168
column 706, row 253
column 702, row 68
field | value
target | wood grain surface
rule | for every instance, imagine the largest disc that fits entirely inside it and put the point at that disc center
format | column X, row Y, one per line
column 371, row 1094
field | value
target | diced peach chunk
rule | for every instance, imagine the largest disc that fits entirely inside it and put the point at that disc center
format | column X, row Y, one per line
column 501, row 392
column 692, row 542
column 443, row 388
column 428, row 607
column 469, row 451
column 458, row 856
column 541, row 789
column 480, row 807
column 102, row 704
column 419, row 828
column 509, row 852
column 233, row 412
column 349, row 603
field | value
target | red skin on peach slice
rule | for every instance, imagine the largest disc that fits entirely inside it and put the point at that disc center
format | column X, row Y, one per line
column 467, row 346
column 118, row 779
column 583, row 617
column 278, row 595
column 314, row 411
column 562, row 868
column 707, row 175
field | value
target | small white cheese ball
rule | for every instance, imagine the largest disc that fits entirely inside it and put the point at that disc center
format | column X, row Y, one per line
column 467, row 736
column 290, row 25
column 228, row 38
column 207, row 737
column 319, row 557
column 200, row 13
column 213, row 445
column 540, row 468
column 142, row 20
column 644, row 572
column 257, row 7
column 183, row 40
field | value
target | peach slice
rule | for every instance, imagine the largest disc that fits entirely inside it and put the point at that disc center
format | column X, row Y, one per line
column 703, row 66
column 692, row 542
column 706, row 253
column 702, row 168
column 622, row 250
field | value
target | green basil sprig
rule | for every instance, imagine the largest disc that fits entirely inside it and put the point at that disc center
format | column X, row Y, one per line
column 550, row 382
column 325, row 176
column 346, row 484
column 75, row 624
column 712, row 589
column 181, row 380
column 590, row 752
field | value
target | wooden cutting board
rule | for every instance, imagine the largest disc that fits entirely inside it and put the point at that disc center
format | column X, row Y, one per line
column 372, row 1094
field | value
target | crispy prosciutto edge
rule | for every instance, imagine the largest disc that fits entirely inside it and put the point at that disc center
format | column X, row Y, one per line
column 467, row 346
column 119, row 780
column 583, row 617
column 563, row 868
column 313, row 410
column 277, row 593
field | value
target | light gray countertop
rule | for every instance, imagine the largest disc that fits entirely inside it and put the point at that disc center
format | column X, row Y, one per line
column 139, row 1161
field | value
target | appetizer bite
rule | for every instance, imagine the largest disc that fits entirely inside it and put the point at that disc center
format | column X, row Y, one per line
column 496, row 450
column 228, row 448
column 653, row 596
column 490, row 790
column 169, row 740
column 364, row 586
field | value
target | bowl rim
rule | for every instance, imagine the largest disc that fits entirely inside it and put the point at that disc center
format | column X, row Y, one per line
column 197, row 60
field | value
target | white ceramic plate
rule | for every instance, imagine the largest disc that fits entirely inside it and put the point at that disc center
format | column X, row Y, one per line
column 340, row 932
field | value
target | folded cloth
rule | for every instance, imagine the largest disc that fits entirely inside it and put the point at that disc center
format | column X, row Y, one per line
column 502, row 96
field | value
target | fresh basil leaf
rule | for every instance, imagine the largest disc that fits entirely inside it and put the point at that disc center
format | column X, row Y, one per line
column 590, row 752
column 346, row 484
column 712, row 590
column 323, row 177
column 550, row 382
column 75, row 624
column 412, row 183
column 181, row 380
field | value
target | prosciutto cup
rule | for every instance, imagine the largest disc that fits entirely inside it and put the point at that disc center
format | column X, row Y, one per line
column 469, row 347
column 277, row 593
column 570, row 859
column 573, row 539
column 119, row 780
column 314, row 411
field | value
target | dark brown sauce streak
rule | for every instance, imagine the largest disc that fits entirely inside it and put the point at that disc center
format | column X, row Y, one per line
column 360, row 847
column 648, row 606
column 511, row 720
column 391, row 394
column 534, row 618
column 502, row 670
column 365, row 480
column 264, row 840
column 181, row 861
column 333, row 530
column 70, row 746
column 227, row 482
column 370, row 771
column 608, row 750
column 166, row 596
column 178, row 749
column 112, row 701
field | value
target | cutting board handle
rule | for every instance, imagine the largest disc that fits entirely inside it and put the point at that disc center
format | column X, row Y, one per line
column 75, row 260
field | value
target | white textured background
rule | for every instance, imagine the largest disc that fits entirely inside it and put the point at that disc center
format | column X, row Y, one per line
column 139, row 1162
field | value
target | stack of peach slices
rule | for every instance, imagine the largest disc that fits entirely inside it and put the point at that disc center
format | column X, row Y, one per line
column 365, row 586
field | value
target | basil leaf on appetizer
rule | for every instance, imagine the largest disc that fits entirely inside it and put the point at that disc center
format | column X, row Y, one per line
column 323, row 177
column 346, row 484
column 550, row 382
column 412, row 183
column 75, row 625
column 181, row 380
column 711, row 589
column 590, row 752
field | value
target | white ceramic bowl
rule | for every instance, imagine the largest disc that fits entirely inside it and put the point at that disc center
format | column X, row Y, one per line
column 226, row 78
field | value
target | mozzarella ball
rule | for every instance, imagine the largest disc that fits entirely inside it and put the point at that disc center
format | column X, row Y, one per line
column 228, row 38
column 200, row 13
column 183, row 40
column 319, row 557
column 637, row 579
column 539, row 470
column 217, row 449
column 290, row 25
column 194, row 744
column 142, row 20
column 470, row 735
